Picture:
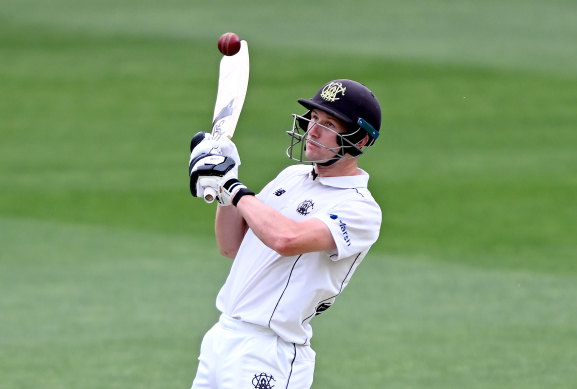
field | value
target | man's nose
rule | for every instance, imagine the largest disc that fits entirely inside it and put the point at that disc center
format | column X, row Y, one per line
column 314, row 129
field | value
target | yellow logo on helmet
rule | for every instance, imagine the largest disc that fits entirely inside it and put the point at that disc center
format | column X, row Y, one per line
column 331, row 90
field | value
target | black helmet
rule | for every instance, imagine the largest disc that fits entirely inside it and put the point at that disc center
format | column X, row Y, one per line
column 351, row 102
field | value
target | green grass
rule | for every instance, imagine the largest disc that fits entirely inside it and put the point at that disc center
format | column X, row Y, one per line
column 87, row 305
column 109, row 270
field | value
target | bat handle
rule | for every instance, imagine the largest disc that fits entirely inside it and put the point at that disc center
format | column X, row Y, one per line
column 209, row 195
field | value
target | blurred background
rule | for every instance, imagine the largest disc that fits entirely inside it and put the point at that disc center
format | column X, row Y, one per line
column 109, row 269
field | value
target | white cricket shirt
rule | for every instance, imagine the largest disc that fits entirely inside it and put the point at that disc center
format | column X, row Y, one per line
column 285, row 293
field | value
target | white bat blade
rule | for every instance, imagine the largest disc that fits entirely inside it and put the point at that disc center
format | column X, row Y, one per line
column 232, row 86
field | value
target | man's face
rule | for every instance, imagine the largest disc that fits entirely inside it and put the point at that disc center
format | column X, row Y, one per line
column 322, row 130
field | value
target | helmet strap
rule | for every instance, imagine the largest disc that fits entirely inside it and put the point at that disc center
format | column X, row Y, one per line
column 330, row 161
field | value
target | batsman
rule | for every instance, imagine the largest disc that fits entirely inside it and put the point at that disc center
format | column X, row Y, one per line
column 295, row 244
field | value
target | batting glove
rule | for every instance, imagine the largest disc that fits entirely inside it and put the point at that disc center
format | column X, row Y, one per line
column 209, row 170
column 220, row 174
column 232, row 191
column 204, row 143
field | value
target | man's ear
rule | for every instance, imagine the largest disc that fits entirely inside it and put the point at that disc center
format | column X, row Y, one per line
column 363, row 141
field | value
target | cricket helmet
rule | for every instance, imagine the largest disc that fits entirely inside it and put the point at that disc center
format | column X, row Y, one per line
column 352, row 103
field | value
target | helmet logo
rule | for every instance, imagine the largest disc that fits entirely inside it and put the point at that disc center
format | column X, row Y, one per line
column 331, row 91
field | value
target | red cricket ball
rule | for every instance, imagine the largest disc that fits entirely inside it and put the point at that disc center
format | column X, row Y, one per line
column 229, row 43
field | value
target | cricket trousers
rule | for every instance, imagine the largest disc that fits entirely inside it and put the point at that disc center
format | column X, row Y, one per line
column 240, row 355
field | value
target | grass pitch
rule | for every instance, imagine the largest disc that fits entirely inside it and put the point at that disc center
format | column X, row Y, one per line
column 109, row 271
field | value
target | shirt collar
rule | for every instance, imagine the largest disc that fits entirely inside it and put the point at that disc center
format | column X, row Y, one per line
column 358, row 181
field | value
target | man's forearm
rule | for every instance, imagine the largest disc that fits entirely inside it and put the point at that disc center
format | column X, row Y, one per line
column 282, row 234
column 230, row 228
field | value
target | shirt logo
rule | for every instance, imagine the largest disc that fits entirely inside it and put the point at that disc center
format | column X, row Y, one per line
column 279, row 192
column 305, row 207
column 331, row 91
column 263, row 381
column 343, row 227
column 322, row 307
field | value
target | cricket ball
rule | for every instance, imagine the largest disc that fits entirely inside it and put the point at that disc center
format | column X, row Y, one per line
column 229, row 43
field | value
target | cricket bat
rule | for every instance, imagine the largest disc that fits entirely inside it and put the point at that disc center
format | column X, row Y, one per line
column 232, row 85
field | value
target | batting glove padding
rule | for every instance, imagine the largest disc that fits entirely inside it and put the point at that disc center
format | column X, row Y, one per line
column 209, row 170
column 203, row 143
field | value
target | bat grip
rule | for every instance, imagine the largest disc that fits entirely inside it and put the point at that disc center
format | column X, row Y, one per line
column 209, row 195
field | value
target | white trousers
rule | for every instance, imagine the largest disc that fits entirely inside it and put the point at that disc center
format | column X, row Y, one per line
column 239, row 355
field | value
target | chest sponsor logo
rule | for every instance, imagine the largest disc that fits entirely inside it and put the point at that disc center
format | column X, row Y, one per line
column 343, row 227
column 305, row 207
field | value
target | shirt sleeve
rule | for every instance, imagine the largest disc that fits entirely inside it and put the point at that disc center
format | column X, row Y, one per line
column 354, row 225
